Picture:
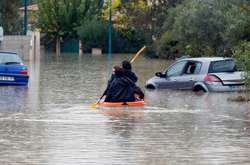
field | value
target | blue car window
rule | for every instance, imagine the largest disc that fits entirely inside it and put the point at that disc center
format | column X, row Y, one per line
column 9, row 58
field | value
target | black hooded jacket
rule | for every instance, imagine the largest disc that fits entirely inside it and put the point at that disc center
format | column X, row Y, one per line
column 127, row 73
column 131, row 75
column 121, row 89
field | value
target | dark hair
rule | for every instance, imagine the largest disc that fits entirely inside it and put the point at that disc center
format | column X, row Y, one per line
column 126, row 65
column 118, row 71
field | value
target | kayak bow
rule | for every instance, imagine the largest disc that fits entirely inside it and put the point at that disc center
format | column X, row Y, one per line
column 121, row 104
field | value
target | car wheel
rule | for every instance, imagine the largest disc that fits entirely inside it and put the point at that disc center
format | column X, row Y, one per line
column 199, row 88
column 150, row 86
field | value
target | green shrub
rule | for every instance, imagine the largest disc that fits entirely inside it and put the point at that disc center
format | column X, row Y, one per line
column 242, row 54
column 93, row 33
column 166, row 47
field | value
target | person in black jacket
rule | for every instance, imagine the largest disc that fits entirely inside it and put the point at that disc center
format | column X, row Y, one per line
column 127, row 67
column 127, row 70
column 121, row 88
column 130, row 76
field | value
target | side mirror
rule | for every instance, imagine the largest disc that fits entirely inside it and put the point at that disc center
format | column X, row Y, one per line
column 159, row 74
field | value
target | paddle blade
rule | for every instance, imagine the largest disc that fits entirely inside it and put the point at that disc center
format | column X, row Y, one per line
column 94, row 105
column 137, row 54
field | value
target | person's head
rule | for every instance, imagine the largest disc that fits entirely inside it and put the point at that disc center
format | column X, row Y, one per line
column 118, row 71
column 126, row 65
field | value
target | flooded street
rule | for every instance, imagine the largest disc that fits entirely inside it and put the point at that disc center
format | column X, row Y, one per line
column 51, row 122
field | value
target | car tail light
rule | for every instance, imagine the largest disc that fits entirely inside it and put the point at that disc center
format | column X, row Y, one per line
column 24, row 71
column 211, row 78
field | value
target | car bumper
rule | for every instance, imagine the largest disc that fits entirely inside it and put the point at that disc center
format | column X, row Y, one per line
column 11, row 79
column 225, row 88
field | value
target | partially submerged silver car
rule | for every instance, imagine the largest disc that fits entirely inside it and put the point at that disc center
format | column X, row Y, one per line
column 206, row 74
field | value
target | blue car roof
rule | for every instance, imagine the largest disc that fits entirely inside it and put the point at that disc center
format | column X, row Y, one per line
column 8, row 52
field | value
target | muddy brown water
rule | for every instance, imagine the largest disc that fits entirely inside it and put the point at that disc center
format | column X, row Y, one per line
column 50, row 122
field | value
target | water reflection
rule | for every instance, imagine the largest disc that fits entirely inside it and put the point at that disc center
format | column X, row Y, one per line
column 13, row 98
column 51, row 122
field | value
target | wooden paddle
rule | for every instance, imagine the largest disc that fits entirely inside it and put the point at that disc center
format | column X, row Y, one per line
column 132, row 60
column 137, row 54
column 95, row 104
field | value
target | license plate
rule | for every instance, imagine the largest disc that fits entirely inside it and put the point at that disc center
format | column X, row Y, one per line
column 6, row 78
column 238, row 87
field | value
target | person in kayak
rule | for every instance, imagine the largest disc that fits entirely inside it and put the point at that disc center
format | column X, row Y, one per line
column 121, row 89
column 127, row 70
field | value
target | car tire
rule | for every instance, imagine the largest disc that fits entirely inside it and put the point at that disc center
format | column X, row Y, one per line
column 199, row 88
column 150, row 86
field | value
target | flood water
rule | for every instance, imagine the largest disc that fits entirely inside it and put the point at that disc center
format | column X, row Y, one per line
column 50, row 122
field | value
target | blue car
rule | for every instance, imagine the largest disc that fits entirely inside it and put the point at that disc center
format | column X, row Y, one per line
column 12, row 69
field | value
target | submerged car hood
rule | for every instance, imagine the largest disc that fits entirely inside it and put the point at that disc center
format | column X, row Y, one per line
column 154, row 80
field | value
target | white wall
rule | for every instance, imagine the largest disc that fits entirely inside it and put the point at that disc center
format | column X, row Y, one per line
column 28, row 47
column 1, row 33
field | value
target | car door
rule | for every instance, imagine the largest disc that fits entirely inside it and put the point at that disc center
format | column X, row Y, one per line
column 190, row 75
column 173, row 76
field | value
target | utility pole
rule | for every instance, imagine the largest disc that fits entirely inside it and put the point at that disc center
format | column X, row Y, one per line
column 110, row 30
column 25, row 20
column 110, row 39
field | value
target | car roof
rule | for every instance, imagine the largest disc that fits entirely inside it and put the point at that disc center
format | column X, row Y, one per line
column 7, row 52
column 206, row 59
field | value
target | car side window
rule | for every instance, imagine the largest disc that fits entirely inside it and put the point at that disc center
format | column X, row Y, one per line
column 192, row 67
column 176, row 69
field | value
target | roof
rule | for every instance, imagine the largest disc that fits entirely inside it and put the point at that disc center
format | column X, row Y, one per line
column 30, row 8
column 7, row 52
column 207, row 59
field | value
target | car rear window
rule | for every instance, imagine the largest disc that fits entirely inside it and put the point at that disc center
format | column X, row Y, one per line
column 9, row 58
column 222, row 66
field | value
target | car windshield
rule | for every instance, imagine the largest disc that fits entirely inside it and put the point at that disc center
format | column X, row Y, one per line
column 222, row 66
column 9, row 58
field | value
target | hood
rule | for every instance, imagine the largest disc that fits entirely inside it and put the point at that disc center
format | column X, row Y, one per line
column 124, row 81
column 130, row 75
column 153, row 80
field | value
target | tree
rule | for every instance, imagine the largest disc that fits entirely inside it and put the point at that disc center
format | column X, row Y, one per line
column 59, row 19
column 93, row 32
column 159, row 10
column 129, row 24
column 9, row 17
column 238, row 24
column 206, row 27
column 242, row 54
column 199, row 27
